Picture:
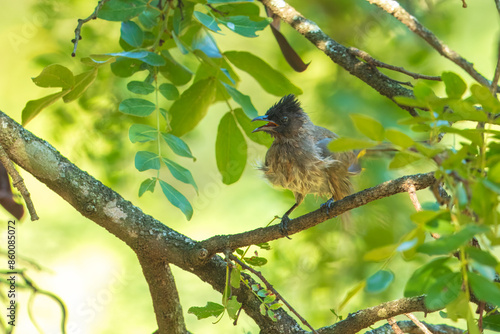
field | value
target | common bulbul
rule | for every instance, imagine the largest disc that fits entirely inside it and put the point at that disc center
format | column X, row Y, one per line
column 299, row 158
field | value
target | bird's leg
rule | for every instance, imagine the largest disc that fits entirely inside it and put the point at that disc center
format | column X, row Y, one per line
column 285, row 220
column 328, row 204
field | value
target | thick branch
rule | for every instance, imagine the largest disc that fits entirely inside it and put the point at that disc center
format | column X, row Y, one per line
column 220, row 243
column 411, row 328
column 367, row 317
column 149, row 238
column 338, row 52
column 166, row 301
column 395, row 9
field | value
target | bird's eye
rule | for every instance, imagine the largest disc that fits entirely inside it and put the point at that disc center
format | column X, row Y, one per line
column 285, row 119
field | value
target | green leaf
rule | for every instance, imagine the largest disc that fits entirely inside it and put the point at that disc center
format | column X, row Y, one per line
column 125, row 67
column 451, row 243
column 141, row 133
column 147, row 57
column 207, row 20
column 402, row 159
column 243, row 100
column 97, row 60
column 380, row 253
column 137, row 107
column 256, row 261
column 379, row 281
column 173, row 71
column 368, row 126
column 180, row 173
column 235, row 278
column 192, row 106
column 177, row 199
column 445, row 289
column 149, row 18
column 424, row 93
column 82, row 82
column 227, row 1
column 140, row 87
column 179, row 43
column 132, row 34
column 492, row 322
column 242, row 25
column 145, row 160
column 347, row 144
column 484, row 289
column 205, row 42
column 425, row 216
column 481, row 256
column 55, row 76
column 121, row 10
column 351, row 293
column 247, row 125
column 169, row 91
column 34, row 107
column 398, row 138
column 271, row 81
column 210, row 310
column 424, row 277
column 409, row 101
column 230, row 150
column 233, row 307
column 455, row 86
column 147, row 185
column 483, row 96
column 177, row 145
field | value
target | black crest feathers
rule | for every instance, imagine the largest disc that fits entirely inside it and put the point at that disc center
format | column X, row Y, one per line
column 288, row 103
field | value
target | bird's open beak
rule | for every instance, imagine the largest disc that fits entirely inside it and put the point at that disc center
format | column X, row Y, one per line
column 268, row 127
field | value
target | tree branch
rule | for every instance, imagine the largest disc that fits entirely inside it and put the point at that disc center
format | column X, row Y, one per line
column 394, row 8
column 339, row 53
column 149, row 238
column 78, row 30
column 411, row 328
column 166, row 301
column 220, row 243
column 367, row 317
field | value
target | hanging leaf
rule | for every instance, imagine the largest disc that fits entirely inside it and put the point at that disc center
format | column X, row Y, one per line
column 82, row 82
column 272, row 81
column 34, row 107
column 137, row 107
column 368, row 126
column 141, row 133
column 147, row 185
column 145, row 160
column 379, row 281
column 177, row 199
column 121, row 10
column 177, row 145
column 132, row 34
column 210, row 310
column 455, row 86
column 55, row 76
column 169, row 91
column 230, row 150
column 192, row 106
column 173, row 71
column 180, row 173
column 243, row 100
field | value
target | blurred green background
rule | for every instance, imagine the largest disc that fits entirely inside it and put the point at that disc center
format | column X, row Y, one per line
column 99, row 277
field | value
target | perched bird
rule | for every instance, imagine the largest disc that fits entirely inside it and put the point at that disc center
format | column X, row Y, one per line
column 299, row 158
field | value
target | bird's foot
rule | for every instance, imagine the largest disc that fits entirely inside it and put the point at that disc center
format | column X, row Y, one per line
column 284, row 226
column 328, row 204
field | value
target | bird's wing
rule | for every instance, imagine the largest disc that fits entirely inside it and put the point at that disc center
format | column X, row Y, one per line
column 323, row 137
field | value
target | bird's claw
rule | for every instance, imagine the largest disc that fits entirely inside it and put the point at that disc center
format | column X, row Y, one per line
column 328, row 204
column 284, row 226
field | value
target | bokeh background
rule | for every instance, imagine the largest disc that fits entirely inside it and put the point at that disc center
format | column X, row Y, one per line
column 99, row 278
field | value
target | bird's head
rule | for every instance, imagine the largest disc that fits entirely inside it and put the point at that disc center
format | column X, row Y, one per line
column 285, row 118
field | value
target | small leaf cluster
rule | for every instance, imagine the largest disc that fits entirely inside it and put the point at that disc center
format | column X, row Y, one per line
column 462, row 145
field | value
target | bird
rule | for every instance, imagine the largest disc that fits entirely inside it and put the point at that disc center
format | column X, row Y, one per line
column 299, row 158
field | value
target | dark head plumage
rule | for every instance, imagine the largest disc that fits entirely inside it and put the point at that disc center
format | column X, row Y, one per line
column 284, row 118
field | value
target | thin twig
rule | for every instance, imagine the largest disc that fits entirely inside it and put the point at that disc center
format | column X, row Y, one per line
column 418, row 323
column 394, row 8
column 377, row 63
column 464, row 4
column 18, row 182
column 394, row 326
column 270, row 287
column 78, row 29
column 412, row 191
column 496, row 77
column 497, row 3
